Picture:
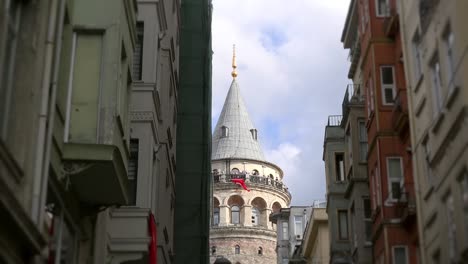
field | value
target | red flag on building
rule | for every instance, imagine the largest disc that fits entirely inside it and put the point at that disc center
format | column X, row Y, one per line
column 153, row 242
column 241, row 183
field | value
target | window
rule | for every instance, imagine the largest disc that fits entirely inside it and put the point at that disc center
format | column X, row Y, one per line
column 349, row 140
column 367, row 218
column 362, row 141
column 133, row 171
column 427, row 154
column 7, row 60
column 285, row 230
column 237, row 249
column 382, row 8
column 465, row 201
column 400, row 255
column 387, row 81
column 213, row 250
column 255, row 216
column 342, row 225
column 451, row 228
column 298, row 225
column 138, row 53
column 436, row 87
column 370, row 97
column 449, row 40
column 260, row 250
column 255, row 172
column 417, row 56
column 339, row 167
column 254, row 133
column 216, row 216
column 395, row 177
column 224, row 131
column 235, row 214
column 235, row 171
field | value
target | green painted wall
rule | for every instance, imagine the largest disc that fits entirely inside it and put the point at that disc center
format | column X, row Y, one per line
column 194, row 135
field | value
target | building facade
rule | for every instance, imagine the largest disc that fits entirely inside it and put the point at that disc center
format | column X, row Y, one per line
column 435, row 41
column 192, row 215
column 315, row 247
column 290, row 223
column 374, row 41
column 240, row 228
column 337, row 204
column 88, row 141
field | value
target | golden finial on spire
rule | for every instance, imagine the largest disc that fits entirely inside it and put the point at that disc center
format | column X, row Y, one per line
column 234, row 66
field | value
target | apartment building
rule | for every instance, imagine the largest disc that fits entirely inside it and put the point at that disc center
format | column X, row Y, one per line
column 316, row 240
column 337, row 204
column 377, row 57
column 92, row 104
column 290, row 223
column 435, row 44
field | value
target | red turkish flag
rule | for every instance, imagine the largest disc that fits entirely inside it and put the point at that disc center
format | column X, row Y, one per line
column 241, row 183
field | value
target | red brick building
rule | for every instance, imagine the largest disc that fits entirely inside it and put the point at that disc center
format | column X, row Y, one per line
column 377, row 63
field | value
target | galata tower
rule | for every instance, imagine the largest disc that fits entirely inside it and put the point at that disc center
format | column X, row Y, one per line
column 246, row 188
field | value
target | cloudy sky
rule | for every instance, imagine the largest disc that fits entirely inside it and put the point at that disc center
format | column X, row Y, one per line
column 292, row 73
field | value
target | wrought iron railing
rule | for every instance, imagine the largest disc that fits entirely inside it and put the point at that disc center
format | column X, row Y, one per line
column 250, row 179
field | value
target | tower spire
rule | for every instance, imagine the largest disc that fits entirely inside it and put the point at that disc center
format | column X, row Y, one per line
column 234, row 65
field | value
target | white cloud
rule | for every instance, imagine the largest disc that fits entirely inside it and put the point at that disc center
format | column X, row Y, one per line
column 292, row 74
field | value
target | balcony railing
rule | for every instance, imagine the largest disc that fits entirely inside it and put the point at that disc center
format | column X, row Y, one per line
column 334, row 120
column 353, row 94
column 353, row 57
column 391, row 22
column 250, row 179
column 400, row 119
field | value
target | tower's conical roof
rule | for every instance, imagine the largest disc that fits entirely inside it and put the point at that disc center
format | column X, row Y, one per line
column 234, row 135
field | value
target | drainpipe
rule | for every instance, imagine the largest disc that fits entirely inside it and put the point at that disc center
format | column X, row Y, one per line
column 47, row 111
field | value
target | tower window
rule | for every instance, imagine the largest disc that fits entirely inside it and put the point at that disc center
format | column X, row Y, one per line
column 254, row 133
column 260, row 250
column 255, row 216
column 235, row 214
column 237, row 249
column 224, row 131
column 213, row 250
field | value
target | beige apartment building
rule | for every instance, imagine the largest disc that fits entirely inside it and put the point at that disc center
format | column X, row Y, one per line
column 315, row 247
column 435, row 41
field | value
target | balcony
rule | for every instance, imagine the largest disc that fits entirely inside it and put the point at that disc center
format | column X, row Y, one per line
column 94, row 169
column 353, row 57
column 251, row 180
column 391, row 22
column 406, row 206
column 400, row 120
column 353, row 95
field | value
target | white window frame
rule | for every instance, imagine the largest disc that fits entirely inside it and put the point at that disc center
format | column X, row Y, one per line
column 216, row 214
column 449, row 40
column 464, row 186
column 255, row 216
column 362, row 141
column 8, row 60
column 238, row 217
column 387, row 86
column 285, row 230
column 370, row 97
column 390, row 180
column 406, row 253
column 378, row 186
column 436, row 86
column 298, row 219
column 451, row 228
column 377, row 11
column 346, row 237
column 416, row 45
